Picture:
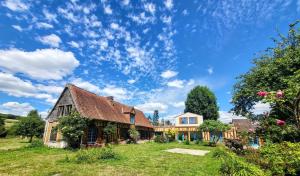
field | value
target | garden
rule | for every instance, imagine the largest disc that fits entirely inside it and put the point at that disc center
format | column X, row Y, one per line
column 128, row 159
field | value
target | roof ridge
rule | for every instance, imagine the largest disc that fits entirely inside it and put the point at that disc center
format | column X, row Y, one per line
column 70, row 84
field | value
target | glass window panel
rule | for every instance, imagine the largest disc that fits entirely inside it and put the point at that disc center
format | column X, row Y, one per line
column 183, row 120
column 192, row 120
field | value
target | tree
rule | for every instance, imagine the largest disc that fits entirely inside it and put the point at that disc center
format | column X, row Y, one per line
column 3, row 131
column 110, row 132
column 155, row 118
column 277, row 69
column 72, row 128
column 214, row 127
column 30, row 126
column 201, row 100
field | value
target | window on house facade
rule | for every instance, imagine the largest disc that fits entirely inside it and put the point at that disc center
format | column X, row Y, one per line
column 193, row 120
column 92, row 135
column 60, row 111
column 183, row 120
column 68, row 109
column 132, row 118
column 53, row 135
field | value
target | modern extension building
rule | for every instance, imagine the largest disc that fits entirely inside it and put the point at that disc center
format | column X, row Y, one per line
column 186, row 127
column 100, row 110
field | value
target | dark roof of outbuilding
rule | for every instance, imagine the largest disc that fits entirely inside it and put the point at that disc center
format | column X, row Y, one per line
column 93, row 106
column 242, row 124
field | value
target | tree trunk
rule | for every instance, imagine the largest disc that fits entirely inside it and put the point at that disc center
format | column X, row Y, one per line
column 30, row 139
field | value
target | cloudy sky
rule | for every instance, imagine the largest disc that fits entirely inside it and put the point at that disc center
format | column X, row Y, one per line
column 144, row 53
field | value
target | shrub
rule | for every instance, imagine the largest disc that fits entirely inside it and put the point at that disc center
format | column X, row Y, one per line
column 134, row 135
column 170, row 134
column 186, row 142
column 281, row 159
column 95, row 154
column 107, row 153
column 36, row 143
column 235, row 145
column 234, row 165
column 160, row 139
column 85, row 156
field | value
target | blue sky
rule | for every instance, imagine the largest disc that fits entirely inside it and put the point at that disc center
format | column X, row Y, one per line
column 144, row 53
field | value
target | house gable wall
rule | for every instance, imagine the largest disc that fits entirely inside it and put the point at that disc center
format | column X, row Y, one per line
column 64, row 100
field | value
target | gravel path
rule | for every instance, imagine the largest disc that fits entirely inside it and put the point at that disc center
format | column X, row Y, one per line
column 188, row 151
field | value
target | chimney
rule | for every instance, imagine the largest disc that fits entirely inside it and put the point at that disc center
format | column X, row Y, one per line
column 110, row 98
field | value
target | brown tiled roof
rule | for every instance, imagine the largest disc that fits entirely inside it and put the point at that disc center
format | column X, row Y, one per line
column 94, row 106
column 242, row 124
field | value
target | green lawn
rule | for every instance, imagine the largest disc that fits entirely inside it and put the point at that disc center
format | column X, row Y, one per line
column 140, row 159
column 12, row 143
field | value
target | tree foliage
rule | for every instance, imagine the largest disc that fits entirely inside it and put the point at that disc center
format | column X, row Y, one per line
column 277, row 69
column 201, row 100
column 3, row 131
column 72, row 128
column 155, row 118
column 110, row 132
column 30, row 126
column 214, row 127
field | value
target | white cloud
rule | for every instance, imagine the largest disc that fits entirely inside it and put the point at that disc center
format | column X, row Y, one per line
column 150, row 7
column 44, row 114
column 118, row 92
column 131, row 81
column 15, row 5
column 114, row 26
column 210, row 70
column 176, row 83
column 125, row 2
column 50, row 89
column 17, row 27
column 226, row 117
column 42, row 64
column 178, row 104
column 16, row 108
column 260, row 108
column 16, row 87
column 86, row 85
column 52, row 40
column 185, row 12
column 168, row 74
column 169, row 4
column 74, row 44
column 107, row 10
column 151, row 106
column 42, row 25
column 49, row 16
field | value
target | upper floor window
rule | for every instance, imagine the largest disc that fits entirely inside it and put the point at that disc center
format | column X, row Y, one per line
column 183, row 120
column 68, row 109
column 60, row 111
column 132, row 118
column 192, row 120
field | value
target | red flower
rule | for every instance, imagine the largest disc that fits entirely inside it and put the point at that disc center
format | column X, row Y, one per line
column 279, row 94
column 262, row 93
column 280, row 122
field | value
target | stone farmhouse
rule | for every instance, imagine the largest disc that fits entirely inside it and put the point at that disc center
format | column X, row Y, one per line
column 100, row 110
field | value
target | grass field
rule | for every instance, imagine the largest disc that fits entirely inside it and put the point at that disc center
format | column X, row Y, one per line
column 140, row 159
column 10, row 122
